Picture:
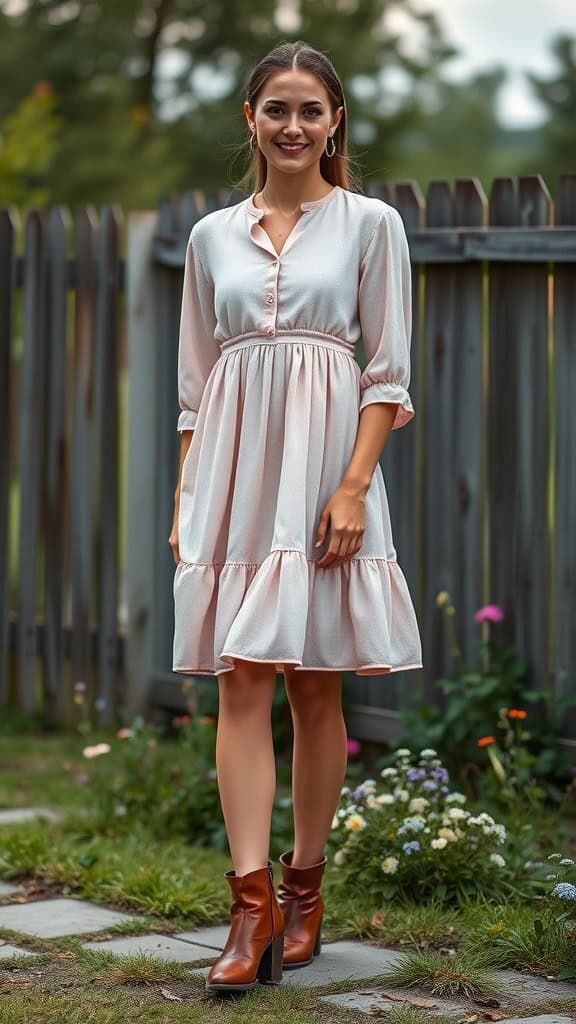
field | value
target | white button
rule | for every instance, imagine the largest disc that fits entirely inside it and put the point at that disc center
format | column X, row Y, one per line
column 269, row 298
column 269, row 330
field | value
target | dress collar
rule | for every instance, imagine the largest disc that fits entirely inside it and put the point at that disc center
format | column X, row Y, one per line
column 256, row 212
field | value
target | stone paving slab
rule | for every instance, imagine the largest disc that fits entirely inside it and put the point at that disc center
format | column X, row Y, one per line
column 164, row 946
column 215, row 936
column 530, row 988
column 8, row 888
column 7, row 951
column 370, row 1000
column 543, row 1018
column 14, row 815
column 340, row 961
column 48, row 919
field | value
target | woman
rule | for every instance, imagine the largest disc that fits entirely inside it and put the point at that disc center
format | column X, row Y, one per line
column 281, row 534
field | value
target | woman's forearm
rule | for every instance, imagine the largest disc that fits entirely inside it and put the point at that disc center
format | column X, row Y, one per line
column 185, row 439
column 373, row 429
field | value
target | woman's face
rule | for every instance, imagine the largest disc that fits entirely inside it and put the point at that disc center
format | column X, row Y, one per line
column 292, row 109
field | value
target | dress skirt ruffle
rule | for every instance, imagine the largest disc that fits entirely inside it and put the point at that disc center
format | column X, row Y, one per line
column 274, row 435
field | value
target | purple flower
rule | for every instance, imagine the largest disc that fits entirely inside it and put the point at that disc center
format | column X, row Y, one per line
column 80, row 687
column 564, row 891
column 353, row 747
column 445, row 789
column 415, row 774
column 412, row 847
column 489, row 613
column 429, row 785
column 440, row 773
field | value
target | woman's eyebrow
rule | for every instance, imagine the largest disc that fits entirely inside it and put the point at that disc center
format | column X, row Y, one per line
column 306, row 103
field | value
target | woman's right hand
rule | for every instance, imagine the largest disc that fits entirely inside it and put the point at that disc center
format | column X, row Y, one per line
column 173, row 539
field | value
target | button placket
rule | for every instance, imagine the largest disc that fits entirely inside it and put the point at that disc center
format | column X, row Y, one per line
column 270, row 297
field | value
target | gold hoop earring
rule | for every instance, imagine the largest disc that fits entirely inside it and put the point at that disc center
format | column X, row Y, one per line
column 252, row 141
column 331, row 137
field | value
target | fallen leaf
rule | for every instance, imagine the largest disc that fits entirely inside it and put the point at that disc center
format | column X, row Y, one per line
column 170, row 995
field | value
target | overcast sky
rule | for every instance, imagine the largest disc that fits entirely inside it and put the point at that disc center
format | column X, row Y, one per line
column 512, row 32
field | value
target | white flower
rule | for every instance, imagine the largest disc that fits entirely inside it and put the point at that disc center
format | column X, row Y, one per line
column 402, row 794
column 95, row 751
column 369, row 784
column 455, row 798
column 566, row 862
column 498, row 860
column 371, row 801
column 389, row 773
column 436, row 763
column 418, row 804
column 339, row 858
column 354, row 823
column 403, row 752
column 385, row 798
column 335, row 821
column 390, row 865
column 457, row 814
column 439, row 844
column 428, row 752
column 447, row 833
column 342, row 813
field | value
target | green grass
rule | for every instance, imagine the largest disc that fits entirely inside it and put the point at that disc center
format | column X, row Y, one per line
column 170, row 886
column 444, row 976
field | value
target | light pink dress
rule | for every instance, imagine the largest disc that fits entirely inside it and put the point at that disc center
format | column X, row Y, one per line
column 269, row 382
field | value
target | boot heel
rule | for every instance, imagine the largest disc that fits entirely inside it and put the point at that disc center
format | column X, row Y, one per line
column 270, row 967
column 318, row 943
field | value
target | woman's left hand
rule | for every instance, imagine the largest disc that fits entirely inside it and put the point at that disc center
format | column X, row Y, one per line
column 345, row 512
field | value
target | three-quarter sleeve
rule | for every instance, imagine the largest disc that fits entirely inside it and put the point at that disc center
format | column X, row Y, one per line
column 197, row 348
column 385, row 313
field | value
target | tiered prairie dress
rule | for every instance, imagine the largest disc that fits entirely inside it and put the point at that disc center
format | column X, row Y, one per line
column 269, row 382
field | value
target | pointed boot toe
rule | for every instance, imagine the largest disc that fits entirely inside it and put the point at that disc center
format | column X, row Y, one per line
column 254, row 949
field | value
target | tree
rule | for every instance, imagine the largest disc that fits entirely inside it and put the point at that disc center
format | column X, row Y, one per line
column 126, row 80
column 28, row 139
column 558, row 95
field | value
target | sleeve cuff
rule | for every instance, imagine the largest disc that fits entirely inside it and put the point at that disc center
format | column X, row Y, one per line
column 385, row 392
column 187, row 420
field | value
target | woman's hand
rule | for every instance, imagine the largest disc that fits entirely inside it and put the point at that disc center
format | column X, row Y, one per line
column 173, row 539
column 345, row 511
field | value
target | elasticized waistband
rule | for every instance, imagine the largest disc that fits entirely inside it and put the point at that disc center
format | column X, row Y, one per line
column 288, row 337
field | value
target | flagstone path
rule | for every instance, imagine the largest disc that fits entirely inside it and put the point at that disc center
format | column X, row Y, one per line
column 339, row 962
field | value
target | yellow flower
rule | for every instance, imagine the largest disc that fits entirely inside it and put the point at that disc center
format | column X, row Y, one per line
column 354, row 823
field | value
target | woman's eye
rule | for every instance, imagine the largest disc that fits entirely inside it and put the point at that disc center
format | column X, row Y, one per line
column 278, row 110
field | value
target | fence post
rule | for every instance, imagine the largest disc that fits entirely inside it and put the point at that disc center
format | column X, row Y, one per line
column 143, row 452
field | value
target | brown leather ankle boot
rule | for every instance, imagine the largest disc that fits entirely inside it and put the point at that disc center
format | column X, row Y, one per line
column 253, row 951
column 302, row 907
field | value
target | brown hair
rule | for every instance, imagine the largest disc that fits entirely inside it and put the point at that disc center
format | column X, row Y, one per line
column 337, row 169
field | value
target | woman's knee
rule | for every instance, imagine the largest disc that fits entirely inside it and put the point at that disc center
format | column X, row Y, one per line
column 248, row 688
column 314, row 695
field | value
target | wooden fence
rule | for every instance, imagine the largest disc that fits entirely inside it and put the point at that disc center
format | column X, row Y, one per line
column 480, row 485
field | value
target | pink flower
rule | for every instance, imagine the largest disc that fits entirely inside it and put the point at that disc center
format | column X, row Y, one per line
column 489, row 613
column 124, row 734
column 80, row 687
column 353, row 747
column 95, row 751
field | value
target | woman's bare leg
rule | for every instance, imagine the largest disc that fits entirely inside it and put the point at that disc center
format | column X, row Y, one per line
column 319, row 758
column 245, row 761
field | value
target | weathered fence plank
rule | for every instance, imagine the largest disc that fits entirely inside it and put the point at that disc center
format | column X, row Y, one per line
column 564, row 480
column 143, row 497
column 106, row 369
column 55, row 503
column 31, row 453
column 7, row 291
column 518, row 429
column 81, row 515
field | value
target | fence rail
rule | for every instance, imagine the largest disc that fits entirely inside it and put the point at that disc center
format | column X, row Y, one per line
column 481, row 486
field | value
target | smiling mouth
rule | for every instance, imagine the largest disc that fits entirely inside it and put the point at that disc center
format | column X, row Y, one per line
column 292, row 147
